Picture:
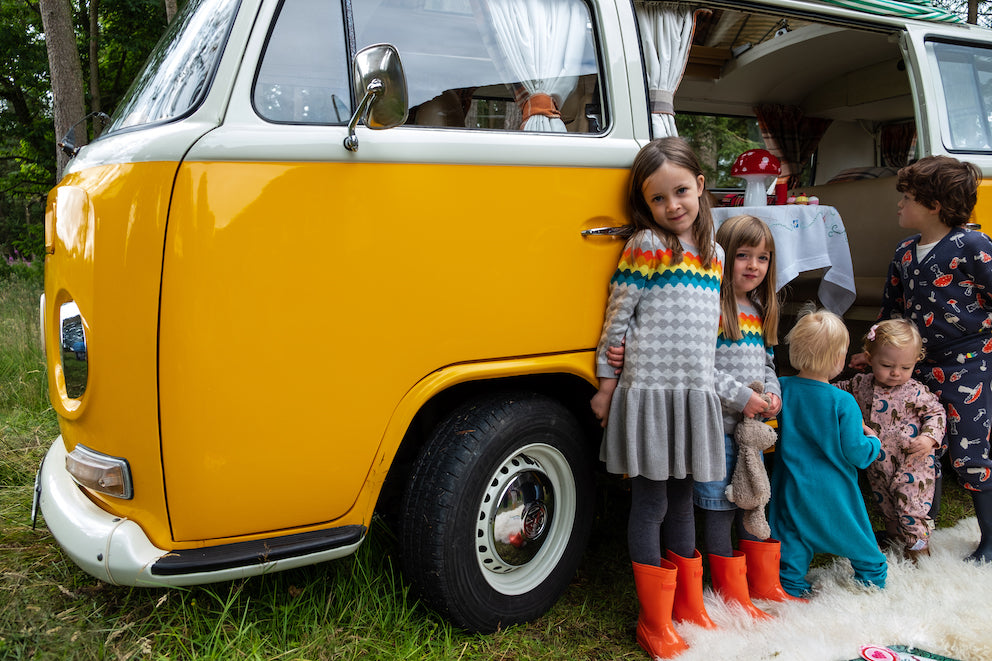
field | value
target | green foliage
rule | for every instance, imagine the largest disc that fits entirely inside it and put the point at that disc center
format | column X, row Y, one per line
column 718, row 141
column 27, row 148
column 22, row 365
column 129, row 30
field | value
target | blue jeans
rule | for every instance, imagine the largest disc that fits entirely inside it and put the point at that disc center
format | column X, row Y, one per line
column 712, row 495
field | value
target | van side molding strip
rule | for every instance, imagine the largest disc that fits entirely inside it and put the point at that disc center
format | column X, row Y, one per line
column 255, row 552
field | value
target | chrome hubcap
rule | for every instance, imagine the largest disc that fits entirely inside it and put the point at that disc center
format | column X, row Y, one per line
column 516, row 513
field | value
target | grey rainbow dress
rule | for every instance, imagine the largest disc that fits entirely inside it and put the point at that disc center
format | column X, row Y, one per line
column 665, row 419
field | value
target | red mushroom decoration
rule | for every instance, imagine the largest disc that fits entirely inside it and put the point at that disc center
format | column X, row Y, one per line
column 755, row 166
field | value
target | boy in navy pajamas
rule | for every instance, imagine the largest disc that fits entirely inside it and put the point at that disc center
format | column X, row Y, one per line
column 941, row 280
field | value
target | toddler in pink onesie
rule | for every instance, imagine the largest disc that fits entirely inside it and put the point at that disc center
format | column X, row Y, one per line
column 909, row 420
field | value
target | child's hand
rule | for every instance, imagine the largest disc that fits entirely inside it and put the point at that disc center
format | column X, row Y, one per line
column 755, row 406
column 859, row 361
column 921, row 444
column 614, row 356
column 600, row 402
column 774, row 406
column 868, row 430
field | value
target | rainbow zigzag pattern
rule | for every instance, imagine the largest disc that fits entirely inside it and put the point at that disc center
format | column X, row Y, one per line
column 750, row 326
column 654, row 268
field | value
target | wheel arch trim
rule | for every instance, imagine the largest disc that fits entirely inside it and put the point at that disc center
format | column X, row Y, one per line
column 579, row 364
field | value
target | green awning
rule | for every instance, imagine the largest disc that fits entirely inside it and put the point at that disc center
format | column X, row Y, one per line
column 918, row 9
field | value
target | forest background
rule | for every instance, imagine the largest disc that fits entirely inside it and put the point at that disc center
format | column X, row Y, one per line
column 64, row 60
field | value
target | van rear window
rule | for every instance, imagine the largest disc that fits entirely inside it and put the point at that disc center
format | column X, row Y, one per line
column 965, row 79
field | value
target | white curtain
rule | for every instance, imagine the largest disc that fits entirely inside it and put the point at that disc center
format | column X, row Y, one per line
column 666, row 35
column 540, row 43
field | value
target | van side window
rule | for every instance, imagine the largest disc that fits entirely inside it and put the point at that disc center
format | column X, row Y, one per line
column 516, row 65
column 965, row 76
column 303, row 75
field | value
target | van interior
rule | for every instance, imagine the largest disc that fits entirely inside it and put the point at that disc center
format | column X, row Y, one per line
column 852, row 84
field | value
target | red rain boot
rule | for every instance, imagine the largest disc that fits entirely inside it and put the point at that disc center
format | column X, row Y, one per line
column 656, row 592
column 689, row 605
column 730, row 582
column 762, row 570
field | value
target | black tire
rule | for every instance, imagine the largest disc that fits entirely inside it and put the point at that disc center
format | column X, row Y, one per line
column 471, row 556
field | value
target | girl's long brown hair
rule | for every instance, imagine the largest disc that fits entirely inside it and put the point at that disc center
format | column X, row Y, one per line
column 749, row 232
column 651, row 157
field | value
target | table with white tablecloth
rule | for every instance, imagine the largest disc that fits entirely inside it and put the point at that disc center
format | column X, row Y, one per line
column 807, row 237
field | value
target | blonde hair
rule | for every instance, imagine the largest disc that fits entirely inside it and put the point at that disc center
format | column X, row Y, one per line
column 817, row 341
column 898, row 333
column 747, row 231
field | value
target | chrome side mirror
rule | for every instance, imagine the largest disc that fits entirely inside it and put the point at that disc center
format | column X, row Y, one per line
column 381, row 85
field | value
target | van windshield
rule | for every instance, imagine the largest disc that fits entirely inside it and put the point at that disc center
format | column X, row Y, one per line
column 178, row 73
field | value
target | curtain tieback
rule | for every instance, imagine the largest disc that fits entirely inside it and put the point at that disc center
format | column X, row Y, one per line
column 537, row 104
column 663, row 102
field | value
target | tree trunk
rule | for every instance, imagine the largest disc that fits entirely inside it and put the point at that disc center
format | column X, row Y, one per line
column 973, row 12
column 170, row 10
column 66, row 71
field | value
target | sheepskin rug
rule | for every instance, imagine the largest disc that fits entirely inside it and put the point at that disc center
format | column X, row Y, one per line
column 941, row 605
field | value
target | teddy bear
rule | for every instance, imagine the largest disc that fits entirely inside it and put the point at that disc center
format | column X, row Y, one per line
column 749, row 488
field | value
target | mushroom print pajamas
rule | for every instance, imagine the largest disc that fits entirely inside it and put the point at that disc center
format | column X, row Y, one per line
column 948, row 295
column 902, row 484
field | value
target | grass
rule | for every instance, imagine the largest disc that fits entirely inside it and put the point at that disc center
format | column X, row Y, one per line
column 355, row 608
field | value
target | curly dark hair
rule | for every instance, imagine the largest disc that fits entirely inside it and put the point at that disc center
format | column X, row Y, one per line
column 944, row 180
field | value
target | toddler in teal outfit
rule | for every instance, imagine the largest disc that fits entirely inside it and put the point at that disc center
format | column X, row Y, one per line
column 816, row 504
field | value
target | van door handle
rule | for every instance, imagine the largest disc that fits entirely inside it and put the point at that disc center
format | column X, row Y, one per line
column 623, row 230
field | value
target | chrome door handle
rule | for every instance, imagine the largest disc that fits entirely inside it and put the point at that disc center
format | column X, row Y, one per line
column 623, row 230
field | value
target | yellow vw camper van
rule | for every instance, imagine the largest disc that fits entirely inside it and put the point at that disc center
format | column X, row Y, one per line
column 336, row 258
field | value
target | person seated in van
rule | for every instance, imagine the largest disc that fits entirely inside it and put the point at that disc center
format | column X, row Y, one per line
column 816, row 504
column 909, row 420
column 941, row 280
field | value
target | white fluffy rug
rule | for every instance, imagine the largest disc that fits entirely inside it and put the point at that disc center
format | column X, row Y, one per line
column 942, row 605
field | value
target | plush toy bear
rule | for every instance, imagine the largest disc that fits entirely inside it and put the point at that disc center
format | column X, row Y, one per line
column 749, row 488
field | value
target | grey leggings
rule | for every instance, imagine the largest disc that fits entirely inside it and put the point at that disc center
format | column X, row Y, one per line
column 660, row 509
column 717, row 525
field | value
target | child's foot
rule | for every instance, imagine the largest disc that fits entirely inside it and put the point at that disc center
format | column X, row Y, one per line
column 982, row 554
column 913, row 554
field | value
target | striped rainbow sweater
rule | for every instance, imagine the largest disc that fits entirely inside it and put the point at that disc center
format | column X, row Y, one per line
column 739, row 362
column 668, row 313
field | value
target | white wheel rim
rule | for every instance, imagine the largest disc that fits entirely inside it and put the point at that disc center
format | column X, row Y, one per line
column 505, row 537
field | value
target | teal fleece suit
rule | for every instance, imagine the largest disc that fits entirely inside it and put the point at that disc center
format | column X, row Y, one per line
column 816, row 504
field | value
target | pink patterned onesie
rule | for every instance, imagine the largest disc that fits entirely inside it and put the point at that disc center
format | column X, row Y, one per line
column 903, row 484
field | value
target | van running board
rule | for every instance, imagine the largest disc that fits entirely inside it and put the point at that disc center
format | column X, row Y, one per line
column 255, row 552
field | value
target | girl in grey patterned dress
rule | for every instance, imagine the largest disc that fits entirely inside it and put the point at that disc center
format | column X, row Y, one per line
column 663, row 420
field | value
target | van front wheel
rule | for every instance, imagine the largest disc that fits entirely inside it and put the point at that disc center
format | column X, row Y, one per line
column 498, row 511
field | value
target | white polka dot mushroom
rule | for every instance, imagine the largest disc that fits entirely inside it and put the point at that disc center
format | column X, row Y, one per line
column 756, row 167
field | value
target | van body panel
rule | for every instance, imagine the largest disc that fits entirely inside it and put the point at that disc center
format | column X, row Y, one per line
column 108, row 230
column 226, row 320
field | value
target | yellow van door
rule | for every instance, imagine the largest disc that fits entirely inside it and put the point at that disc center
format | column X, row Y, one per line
column 307, row 288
